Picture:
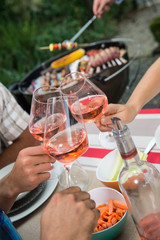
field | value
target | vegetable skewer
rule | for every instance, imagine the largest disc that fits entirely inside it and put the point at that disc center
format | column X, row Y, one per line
column 65, row 45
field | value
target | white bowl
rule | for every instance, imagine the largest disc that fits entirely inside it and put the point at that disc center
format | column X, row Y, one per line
column 110, row 167
column 106, row 167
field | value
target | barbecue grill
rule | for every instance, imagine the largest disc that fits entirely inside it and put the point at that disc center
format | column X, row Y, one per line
column 112, row 80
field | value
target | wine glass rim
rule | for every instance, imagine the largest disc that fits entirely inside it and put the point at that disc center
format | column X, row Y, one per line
column 63, row 97
column 84, row 80
column 45, row 86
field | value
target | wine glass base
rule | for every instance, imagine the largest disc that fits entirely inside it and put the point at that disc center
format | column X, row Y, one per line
column 78, row 177
column 107, row 140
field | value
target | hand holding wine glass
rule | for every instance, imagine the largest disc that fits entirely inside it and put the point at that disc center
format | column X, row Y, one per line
column 69, row 142
column 38, row 114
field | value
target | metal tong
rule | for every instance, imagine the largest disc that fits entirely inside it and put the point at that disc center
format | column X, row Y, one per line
column 82, row 29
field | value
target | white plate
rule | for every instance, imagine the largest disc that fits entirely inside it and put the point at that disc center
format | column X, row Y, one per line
column 48, row 190
column 7, row 169
column 50, row 187
column 157, row 136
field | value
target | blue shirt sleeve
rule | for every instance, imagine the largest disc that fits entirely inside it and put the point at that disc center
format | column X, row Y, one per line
column 7, row 230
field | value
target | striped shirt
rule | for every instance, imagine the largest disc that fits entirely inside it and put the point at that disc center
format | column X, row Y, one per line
column 13, row 119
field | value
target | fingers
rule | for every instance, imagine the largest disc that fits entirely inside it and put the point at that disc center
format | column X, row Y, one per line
column 106, row 120
column 43, row 177
column 78, row 194
column 40, row 168
column 90, row 203
column 104, row 123
column 37, row 150
column 71, row 190
column 106, row 128
column 101, row 6
column 102, row 9
column 97, row 213
column 96, row 4
column 26, row 159
column 82, row 196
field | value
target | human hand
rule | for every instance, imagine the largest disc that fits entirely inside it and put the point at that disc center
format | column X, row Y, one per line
column 70, row 214
column 101, row 6
column 29, row 170
column 125, row 112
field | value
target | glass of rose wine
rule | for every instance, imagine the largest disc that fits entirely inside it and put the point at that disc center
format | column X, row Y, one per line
column 69, row 142
column 38, row 110
column 38, row 115
column 93, row 102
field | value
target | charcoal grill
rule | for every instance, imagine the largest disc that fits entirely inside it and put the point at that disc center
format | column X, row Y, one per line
column 112, row 80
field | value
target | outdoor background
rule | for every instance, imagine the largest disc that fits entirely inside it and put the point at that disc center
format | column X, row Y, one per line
column 27, row 25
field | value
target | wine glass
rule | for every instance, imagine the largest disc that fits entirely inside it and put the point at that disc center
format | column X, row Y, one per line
column 69, row 142
column 38, row 110
column 93, row 102
column 38, row 115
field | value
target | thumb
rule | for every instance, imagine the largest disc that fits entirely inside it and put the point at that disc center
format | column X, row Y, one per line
column 110, row 112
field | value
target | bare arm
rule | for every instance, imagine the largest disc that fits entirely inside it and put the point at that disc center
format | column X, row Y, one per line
column 147, row 88
column 11, row 153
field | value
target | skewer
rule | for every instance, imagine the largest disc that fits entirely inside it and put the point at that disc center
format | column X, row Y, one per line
column 65, row 45
column 44, row 48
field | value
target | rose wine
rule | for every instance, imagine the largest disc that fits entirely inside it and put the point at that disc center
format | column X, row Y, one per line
column 92, row 107
column 55, row 123
column 67, row 146
column 149, row 227
column 129, row 154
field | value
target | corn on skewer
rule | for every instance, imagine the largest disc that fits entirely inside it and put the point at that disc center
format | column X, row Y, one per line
column 66, row 60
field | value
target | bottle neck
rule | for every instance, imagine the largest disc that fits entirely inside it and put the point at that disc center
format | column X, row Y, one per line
column 127, row 148
column 131, row 158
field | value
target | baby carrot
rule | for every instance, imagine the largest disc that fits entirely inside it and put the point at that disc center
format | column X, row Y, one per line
column 110, row 205
column 119, row 204
column 110, row 214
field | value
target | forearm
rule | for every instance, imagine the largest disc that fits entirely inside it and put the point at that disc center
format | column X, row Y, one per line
column 148, row 87
column 23, row 141
column 7, row 194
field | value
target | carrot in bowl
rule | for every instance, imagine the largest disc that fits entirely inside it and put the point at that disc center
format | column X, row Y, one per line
column 120, row 205
column 110, row 214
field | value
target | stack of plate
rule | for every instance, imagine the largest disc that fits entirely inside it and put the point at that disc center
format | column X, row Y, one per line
column 28, row 202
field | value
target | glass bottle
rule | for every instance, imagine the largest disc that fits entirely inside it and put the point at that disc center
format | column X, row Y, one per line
column 139, row 182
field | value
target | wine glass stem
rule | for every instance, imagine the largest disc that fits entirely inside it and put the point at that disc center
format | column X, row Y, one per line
column 68, row 168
